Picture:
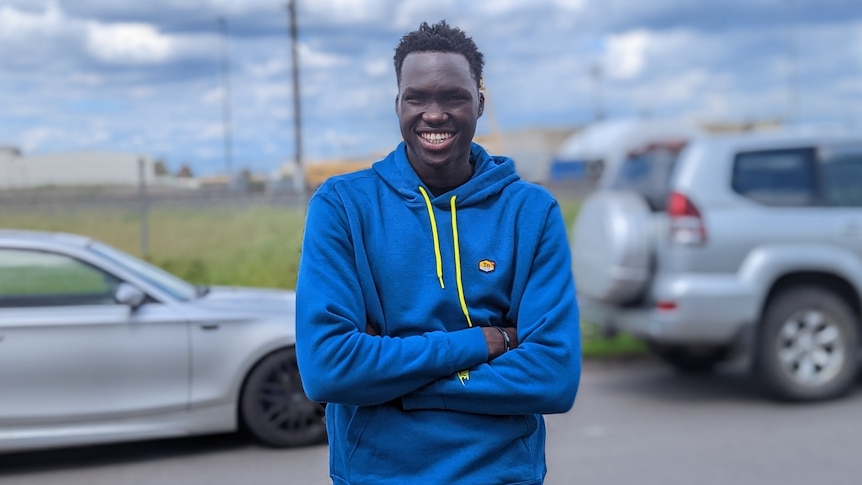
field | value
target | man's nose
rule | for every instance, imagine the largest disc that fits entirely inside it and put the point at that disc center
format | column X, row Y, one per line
column 434, row 114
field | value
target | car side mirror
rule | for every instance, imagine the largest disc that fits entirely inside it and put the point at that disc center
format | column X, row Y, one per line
column 127, row 294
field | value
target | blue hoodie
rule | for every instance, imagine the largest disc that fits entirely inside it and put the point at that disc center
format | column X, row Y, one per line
column 393, row 287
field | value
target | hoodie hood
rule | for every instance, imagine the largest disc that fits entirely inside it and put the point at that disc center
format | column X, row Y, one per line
column 490, row 176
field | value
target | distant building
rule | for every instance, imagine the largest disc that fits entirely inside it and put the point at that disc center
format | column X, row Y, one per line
column 532, row 149
column 9, row 152
column 315, row 172
column 721, row 127
column 81, row 169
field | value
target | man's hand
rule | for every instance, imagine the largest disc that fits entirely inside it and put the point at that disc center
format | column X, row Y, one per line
column 495, row 341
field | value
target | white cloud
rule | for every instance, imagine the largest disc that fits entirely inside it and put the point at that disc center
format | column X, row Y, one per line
column 32, row 140
column 271, row 92
column 212, row 96
column 348, row 11
column 315, row 59
column 626, row 54
column 410, row 13
column 87, row 79
column 570, row 4
column 128, row 43
column 500, row 7
column 269, row 68
column 142, row 92
column 212, row 131
column 17, row 24
column 378, row 68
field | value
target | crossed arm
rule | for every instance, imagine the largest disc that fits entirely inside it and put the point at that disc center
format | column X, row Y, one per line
column 496, row 342
column 342, row 361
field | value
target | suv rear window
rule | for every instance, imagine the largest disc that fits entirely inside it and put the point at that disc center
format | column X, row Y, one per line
column 648, row 174
column 777, row 177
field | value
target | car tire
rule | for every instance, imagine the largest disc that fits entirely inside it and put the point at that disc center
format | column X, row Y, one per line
column 808, row 345
column 274, row 407
column 690, row 360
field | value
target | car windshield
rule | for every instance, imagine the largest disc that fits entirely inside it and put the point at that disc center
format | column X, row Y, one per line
column 161, row 279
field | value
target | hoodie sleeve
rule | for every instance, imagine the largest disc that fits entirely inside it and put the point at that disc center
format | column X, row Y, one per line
column 338, row 361
column 543, row 373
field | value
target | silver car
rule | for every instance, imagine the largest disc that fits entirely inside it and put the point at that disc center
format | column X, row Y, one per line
column 97, row 346
column 737, row 245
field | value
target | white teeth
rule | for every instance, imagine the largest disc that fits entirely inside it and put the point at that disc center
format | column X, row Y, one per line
column 436, row 137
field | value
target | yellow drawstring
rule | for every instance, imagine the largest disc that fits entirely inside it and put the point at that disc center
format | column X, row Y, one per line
column 458, row 263
column 457, row 250
column 434, row 234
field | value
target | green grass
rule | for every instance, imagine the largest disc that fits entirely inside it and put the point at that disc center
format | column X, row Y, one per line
column 255, row 246
column 569, row 209
column 620, row 345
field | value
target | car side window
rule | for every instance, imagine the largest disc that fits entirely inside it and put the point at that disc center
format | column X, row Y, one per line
column 777, row 177
column 36, row 278
column 841, row 174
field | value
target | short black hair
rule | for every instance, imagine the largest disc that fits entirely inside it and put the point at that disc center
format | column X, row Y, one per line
column 440, row 37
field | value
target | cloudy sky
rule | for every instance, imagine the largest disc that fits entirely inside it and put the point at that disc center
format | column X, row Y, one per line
column 144, row 76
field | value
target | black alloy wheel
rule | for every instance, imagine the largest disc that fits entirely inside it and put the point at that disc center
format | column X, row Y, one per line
column 274, row 407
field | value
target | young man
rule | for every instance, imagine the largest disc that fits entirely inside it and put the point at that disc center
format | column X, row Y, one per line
column 436, row 310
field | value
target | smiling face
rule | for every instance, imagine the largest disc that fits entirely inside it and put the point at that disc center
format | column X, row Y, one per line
column 438, row 106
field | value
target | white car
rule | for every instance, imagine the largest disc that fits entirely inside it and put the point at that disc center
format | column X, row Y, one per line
column 97, row 346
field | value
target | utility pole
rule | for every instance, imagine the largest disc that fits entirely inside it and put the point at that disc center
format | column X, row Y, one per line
column 299, row 172
column 792, row 102
column 226, row 102
column 596, row 76
column 144, row 204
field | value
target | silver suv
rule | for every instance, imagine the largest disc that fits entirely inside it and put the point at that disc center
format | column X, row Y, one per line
column 747, row 243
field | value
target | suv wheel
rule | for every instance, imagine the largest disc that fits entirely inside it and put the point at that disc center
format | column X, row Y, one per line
column 808, row 345
column 690, row 360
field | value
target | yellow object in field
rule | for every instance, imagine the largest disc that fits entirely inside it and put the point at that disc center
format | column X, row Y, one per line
column 317, row 172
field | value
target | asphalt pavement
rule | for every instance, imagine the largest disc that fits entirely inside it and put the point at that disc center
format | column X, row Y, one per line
column 635, row 422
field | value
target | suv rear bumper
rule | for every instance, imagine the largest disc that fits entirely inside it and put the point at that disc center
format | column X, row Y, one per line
column 708, row 310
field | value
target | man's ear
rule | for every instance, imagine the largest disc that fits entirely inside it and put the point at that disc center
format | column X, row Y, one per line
column 481, row 103
column 397, row 96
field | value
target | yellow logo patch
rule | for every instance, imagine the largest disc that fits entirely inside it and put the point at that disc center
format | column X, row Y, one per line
column 487, row 266
column 464, row 376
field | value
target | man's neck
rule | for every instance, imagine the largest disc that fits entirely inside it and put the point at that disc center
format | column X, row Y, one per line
column 440, row 183
column 437, row 191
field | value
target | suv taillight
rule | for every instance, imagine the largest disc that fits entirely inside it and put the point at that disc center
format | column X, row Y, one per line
column 686, row 223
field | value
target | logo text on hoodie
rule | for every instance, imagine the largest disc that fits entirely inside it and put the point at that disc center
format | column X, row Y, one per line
column 487, row 266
